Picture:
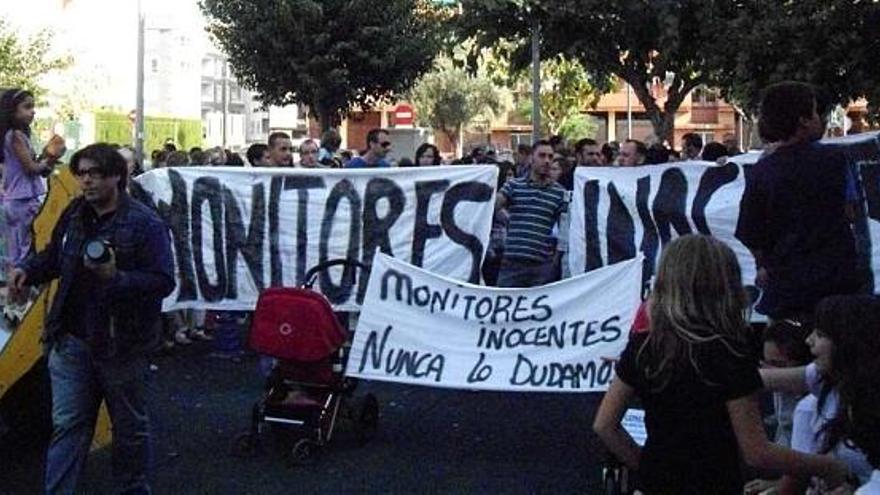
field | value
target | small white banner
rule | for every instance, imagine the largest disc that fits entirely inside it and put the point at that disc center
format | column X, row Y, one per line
column 420, row 328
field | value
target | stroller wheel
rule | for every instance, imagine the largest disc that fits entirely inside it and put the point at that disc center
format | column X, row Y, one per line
column 367, row 419
column 304, row 452
column 245, row 445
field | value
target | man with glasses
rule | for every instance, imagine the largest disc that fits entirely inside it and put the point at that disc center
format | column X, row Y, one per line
column 378, row 147
column 308, row 154
column 112, row 255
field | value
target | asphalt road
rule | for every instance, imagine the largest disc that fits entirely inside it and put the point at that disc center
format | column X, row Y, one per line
column 429, row 440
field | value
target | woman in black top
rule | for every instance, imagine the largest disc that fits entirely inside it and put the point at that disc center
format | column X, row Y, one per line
column 696, row 374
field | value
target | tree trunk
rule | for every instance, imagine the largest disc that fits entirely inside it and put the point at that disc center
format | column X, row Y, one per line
column 452, row 135
column 327, row 115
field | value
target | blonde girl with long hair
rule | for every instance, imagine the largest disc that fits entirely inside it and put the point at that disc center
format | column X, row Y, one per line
column 696, row 373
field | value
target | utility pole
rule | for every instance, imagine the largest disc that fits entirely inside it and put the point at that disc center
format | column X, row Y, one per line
column 225, row 99
column 629, row 112
column 536, row 80
column 139, row 98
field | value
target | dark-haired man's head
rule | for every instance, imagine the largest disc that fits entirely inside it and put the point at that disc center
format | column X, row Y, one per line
column 258, row 155
column 542, row 158
column 331, row 140
column 588, row 153
column 657, row 153
column 789, row 112
column 378, row 143
column 632, row 153
column 280, row 150
column 101, row 172
column 691, row 146
column 713, row 151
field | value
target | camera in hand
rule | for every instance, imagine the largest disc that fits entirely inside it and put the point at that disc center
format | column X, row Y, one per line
column 97, row 251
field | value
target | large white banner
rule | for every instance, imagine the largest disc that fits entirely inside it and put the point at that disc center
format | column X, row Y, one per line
column 237, row 231
column 619, row 213
column 420, row 328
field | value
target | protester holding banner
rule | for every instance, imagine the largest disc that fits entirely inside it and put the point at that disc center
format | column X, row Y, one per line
column 846, row 345
column 112, row 257
column 696, row 375
column 535, row 204
column 793, row 212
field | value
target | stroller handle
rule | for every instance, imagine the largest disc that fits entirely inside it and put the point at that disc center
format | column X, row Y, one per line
column 312, row 275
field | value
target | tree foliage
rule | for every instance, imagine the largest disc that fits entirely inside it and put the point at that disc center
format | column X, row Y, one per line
column 642, row 42
column 331, row 55
column 566, row 90
column 449, row 99
column 24, row 60
column 738, row 46
column 833, row 44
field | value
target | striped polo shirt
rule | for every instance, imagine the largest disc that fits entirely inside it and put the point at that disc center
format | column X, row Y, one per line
column 534, row 209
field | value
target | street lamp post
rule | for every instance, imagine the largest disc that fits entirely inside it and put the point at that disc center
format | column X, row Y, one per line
column 536, row 80
column 139, row 98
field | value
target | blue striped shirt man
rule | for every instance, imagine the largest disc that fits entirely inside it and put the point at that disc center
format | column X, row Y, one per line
column 534, row 209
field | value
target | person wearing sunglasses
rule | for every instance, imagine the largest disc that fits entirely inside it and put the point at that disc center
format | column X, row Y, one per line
column 112, row 257
column 378, row 147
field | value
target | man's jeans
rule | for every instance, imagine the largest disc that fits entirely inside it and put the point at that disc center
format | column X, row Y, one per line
column 518, row 272
column 78, row 384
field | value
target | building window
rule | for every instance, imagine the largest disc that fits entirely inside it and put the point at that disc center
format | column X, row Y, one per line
column 208, row 91
column 704, row 96
column 518, row 139
column 154, row 66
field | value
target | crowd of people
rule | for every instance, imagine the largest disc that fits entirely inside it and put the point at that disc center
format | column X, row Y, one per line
column 693, row 361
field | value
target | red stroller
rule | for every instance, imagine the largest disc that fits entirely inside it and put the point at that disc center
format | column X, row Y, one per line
column 306, row 389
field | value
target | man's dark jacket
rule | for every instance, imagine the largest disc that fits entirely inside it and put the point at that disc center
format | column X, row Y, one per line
column 133, row 297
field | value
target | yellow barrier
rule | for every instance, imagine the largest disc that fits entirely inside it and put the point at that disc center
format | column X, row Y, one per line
column 24, row 348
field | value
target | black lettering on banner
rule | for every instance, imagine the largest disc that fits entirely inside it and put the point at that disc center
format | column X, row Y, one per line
column 398, row 362
column 670, row 204
column 342, row 190
column 712, row 180
column 275, row 267
column 619, row 229
column 176, row 216
column 404, row 287
column 591, row 225
column 208, row 189
column 375, row 228
column 423, row 230
column 480, row 372
column 460, row 193
column 561, row 375
column 539, row 305
column 502, row 306
column 650, row 243
column 302, row 184
column 251, row 245
column 610, row 330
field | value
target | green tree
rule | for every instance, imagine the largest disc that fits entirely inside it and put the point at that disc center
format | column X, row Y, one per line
column 830, row 43
column 449, row 99
column 642, row 42
column 331, row 55
column 24, row 60
column 566, row 90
